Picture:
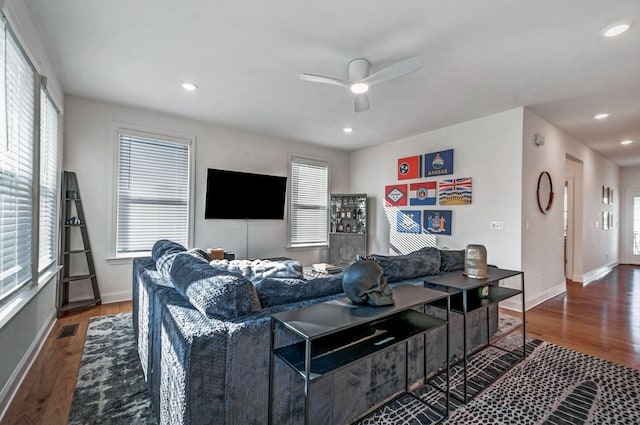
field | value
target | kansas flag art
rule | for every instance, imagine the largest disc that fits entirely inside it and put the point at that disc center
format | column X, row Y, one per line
column 408, row 221
column 395, row 195
column 422, row 193
column 438, row 163
column 410, row 167
column 455, row 191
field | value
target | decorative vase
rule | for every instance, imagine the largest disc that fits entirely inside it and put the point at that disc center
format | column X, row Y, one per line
column 475, row 262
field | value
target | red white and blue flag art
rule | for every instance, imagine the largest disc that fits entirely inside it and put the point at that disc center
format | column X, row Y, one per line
column 455, row 191
column 410, row 167
column 408, row 221
column 437, row 222
column 395, row 195
column 423, row 193
column 438, row 163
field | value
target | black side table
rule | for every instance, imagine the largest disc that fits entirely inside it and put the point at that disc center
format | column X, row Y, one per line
column 337, row 333
column 465, row 298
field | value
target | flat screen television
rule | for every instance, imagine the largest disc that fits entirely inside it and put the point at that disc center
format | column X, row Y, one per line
column 236, row 195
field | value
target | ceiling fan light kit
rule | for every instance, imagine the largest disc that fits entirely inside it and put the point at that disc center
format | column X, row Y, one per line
column 360, row 81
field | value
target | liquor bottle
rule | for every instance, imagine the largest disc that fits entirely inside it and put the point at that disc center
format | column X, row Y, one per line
column 348, row 228
column 354, row 213
column 348, row 213
column 340, row 227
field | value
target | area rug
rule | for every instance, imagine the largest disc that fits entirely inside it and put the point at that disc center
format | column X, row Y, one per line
column 110, row 388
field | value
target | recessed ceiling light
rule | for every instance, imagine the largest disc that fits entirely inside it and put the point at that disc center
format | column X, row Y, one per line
column 189, row 86
column 359, row 88
column 626, row 142
column 615, row 29
column 601, row 116
column 347, row 129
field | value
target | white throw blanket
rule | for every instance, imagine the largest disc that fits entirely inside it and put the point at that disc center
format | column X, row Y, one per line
column 257, row 270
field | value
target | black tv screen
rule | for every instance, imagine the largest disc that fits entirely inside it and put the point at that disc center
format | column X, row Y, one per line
column 232, row 194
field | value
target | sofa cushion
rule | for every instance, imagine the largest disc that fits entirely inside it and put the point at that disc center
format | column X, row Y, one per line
column 277, row 291
column 213, row 292
column 423, row 262
column 451, row 260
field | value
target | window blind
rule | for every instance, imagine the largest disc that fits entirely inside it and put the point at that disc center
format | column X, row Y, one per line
column 16, row 165
column 309, row 194
column 48, row 181
column 153, row 193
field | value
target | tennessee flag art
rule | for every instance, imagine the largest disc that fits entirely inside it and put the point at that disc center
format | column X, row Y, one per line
column 422, row 193
column 410, row 167
column 455, row 191
column 395, row 195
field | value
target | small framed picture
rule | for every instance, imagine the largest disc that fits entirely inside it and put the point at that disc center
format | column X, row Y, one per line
column 605, row 194
column 610, row 196
column 605, row 220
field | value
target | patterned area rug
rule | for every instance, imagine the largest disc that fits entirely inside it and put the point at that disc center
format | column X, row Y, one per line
column 553, row 385
column 110, row 388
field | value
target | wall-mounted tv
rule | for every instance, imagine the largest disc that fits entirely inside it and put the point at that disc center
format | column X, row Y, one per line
column 236, row 195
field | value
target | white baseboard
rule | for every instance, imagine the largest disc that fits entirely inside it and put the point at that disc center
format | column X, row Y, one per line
column 515, row 304
column 597, row 273
column 20, row 372
column 116, row 297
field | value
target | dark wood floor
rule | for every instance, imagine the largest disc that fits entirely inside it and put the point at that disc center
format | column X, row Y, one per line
column 601, row 319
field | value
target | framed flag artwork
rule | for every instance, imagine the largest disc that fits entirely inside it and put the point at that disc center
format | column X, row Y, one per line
column 408, row 221
column 438, row 163
column 455, row 191
column 437, row 222
column 410, row 167
column 395, row 195
column 423, row 193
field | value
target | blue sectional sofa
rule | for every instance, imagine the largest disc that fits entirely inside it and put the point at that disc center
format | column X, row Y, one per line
column 203, row 340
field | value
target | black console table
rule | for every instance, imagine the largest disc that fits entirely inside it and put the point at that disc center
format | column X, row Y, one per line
column 337, row 333
column 466, row 298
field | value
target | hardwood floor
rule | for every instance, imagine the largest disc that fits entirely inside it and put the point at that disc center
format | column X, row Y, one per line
column 601, row 319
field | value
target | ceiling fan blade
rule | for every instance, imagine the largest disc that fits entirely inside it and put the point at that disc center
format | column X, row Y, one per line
column 324, row 80
column 396, row 70
column 362, row 102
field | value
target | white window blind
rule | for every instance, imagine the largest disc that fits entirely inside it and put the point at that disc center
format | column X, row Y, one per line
column 153, row 193
column 16, row 165
column 48, row 181
column 309, row 194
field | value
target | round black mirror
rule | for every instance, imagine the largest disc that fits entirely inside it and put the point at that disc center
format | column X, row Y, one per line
column 545, row 192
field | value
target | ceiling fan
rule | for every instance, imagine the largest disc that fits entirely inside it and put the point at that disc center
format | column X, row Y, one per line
column 360, row 80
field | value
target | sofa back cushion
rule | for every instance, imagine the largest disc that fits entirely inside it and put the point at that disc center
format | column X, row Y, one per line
column 164, row 252
column 423, row 262
column 215, row 293
column 451, row 260
column 277, row 291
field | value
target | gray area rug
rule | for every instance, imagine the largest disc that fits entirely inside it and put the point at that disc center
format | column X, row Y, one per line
column 553, row 385
column 110, row 388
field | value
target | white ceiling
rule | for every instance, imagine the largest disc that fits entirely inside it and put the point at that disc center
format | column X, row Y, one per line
column 478, row 57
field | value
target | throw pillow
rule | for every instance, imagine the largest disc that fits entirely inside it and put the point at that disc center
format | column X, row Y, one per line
column 214, row 293
column 424, row 262
column 451, row 260
column 256, row 270
column 277, row 291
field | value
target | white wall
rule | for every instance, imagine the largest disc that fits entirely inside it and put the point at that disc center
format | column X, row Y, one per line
column 489, row 150
column 26, row 319
column 90, row 144
column 542, row 249
column 629, row 187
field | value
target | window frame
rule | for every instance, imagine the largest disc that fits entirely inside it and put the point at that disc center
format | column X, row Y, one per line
column 160, row 135
column 312, row 161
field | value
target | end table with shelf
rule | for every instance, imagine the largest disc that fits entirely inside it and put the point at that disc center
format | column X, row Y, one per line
column 337, row 333
column 465, row 298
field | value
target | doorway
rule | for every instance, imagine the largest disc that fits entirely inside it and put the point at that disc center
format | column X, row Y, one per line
column 572, row 216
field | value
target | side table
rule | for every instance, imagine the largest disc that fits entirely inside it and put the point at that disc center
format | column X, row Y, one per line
column 337, row 333
column 465, row 298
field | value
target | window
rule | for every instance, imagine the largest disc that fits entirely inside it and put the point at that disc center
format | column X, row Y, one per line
column 153, row 192
column 309, row 194
column 48, row 182
column 636, row 225
column 16, row 165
